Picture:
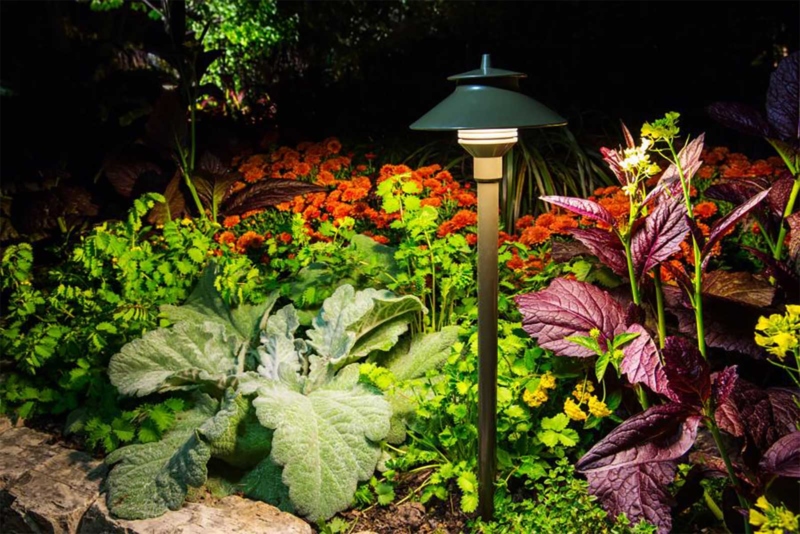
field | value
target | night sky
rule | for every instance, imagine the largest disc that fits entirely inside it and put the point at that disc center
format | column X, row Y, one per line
column 594, row 62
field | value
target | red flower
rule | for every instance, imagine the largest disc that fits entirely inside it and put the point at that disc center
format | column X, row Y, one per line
column 231, row 221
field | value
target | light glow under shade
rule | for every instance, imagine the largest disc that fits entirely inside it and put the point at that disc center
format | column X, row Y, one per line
column 488, row 137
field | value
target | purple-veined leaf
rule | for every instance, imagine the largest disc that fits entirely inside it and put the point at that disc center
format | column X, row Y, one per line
column 583, row 207
column 213, row 179
column 783, row 458
column 635, row 314
column 613, row 159
column 793, row 221
column 688, row 373
column 639, row 491
column 606, row 246
column 689, row 160
column 681, row 278
column 569, row 308
column 726, row 326
column 737, row 190
column 662, row 433
column 127, row 170
column 723, row 384
column 723, row 225
column 664, row 230
column 779, row 195
column 783, row 97
column 629, row 141
column 642, row 365
column 267, row 193
column 740, row 117
column 738, row 287
column 780, row 271
column 763, row 415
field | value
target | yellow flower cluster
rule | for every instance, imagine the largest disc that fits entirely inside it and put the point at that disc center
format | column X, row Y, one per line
column 583, row 394
column 774, row 519
column 779, row 334
column 536, row 398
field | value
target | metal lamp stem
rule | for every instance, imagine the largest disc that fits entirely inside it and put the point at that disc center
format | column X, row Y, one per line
column 488, row 174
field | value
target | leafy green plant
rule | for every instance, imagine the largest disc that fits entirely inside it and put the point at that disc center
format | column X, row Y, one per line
column 319, row 426
column 439, row 270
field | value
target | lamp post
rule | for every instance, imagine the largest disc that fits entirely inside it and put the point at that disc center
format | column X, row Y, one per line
column 487, row 109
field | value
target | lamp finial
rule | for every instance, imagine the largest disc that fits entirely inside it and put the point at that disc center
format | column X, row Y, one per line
column 486, row 63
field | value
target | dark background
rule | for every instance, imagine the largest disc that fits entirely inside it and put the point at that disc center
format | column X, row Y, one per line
column 594, row 62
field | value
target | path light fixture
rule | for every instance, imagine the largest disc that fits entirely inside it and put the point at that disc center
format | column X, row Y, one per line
column 487, row 109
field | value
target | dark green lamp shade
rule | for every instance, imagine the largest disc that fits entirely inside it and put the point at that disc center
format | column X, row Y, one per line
column 488, row 98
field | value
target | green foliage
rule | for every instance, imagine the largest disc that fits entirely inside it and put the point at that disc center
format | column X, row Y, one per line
column 561, row 503
column 326, row 425
column 437, row 269
column 248, row 34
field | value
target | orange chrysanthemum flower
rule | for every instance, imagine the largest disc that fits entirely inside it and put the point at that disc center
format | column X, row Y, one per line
column 534, row 235
column 325, row 178
column 249, row 240
column 333, row 146
column 231, row 221
column 524, row 222
column 226, row 238
column 545, row 220
column 472, row 239
column 704, row 210
column 302, row 169
column 433, row 201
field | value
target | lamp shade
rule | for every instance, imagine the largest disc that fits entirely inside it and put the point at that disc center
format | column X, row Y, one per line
column 488, row 98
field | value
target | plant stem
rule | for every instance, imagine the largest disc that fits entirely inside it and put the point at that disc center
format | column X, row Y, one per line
column 662, row 326
column 698, row 298
column 712, row 426
column 626, row 241
column 786, row 212
column 713, row 506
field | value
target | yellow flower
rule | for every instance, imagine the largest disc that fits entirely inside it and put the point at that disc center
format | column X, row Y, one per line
column 779, row 333
column 597, row 407
column 774, row 520
column 574, row 411
column 582, row 391
column 547, row 381
column 534, row 399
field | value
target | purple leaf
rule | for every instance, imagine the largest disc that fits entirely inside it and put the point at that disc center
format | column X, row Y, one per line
column 661, row 236
column 689, row 159
column 730, row 328
column 687, row 371
column 662, row 433
column 641, row 363
column 628, row 137
column 564, row 251
column 793, row 221
column 784, row 277
column 740, row 117
column 783, row 97
column 783, row 458
column 764, row 415
column 267, row 193
column 737, row 190
column 584, row 207
column 606, row 246
column 723, row 384
column 724, row 224
column 696, row 232
column 639, row 491
column 569, row 308
column 738, row 287
column 779, row 195
column 614, row 161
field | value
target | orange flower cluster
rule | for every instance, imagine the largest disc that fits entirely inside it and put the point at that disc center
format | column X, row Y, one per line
column 721, row 162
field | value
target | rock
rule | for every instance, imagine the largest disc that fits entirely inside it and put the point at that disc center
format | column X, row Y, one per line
column 229, row 515
column 53, row 496
column 22, row 449
column 411, row 513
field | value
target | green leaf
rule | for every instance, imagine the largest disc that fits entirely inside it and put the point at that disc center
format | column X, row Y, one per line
column 149, row 479
column 585, row 341
column 348, row 317
column 264, row 483
column 427, row 352
column 621, row 339
column 206, row 304
column 326, row 441
column 601, row 365
column 181, row 357
column 196, row 255
column 558, row 422
column 385, row 493
column 469, row 502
